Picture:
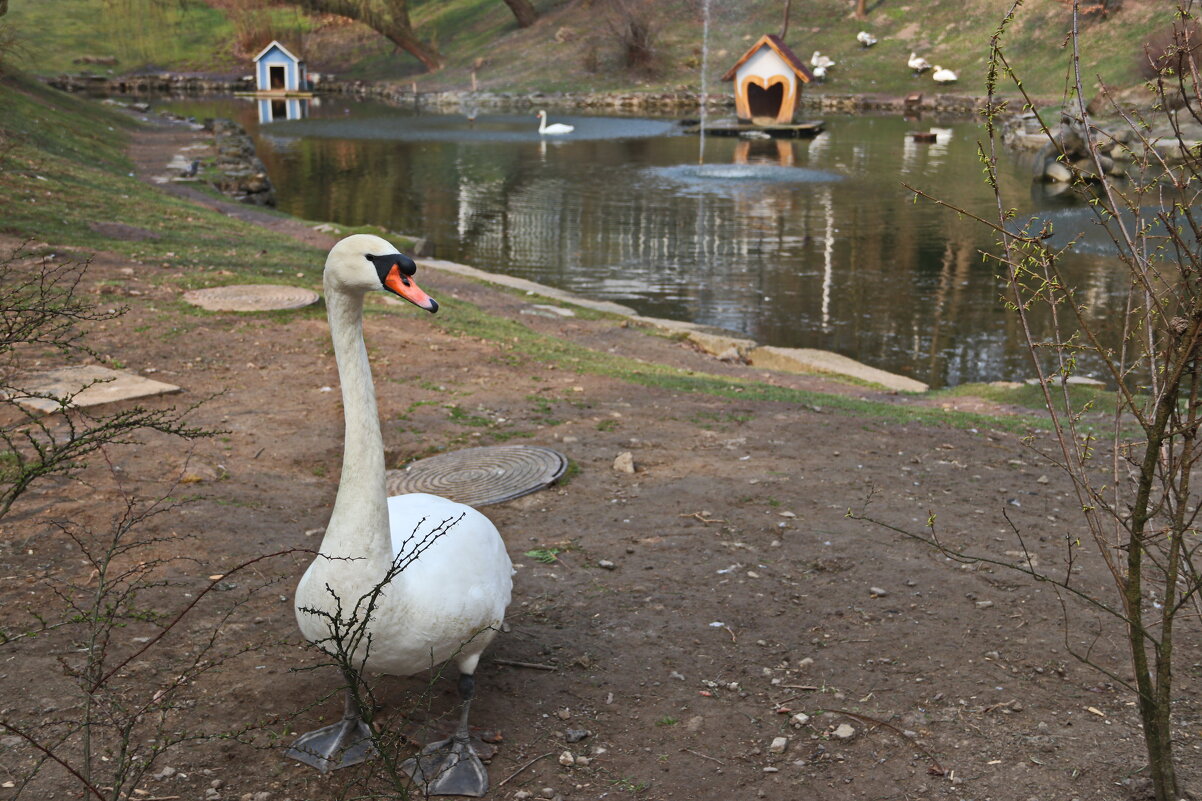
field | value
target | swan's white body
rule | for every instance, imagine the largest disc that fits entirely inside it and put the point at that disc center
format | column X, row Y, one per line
column 918, row 63
column 819, row 74
column 445, row 576
column 944, row 75
column 865, row 39
column 819, row 60
column 553, row 128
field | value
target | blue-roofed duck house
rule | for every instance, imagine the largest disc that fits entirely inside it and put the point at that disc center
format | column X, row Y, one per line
column 279, row 72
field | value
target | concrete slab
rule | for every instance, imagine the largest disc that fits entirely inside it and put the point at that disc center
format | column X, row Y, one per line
column 719, row 344
column 115, row 386
column 526, row 286
column 806, row 360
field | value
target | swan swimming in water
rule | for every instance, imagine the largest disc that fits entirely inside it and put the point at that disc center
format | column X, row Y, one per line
column 553, row 128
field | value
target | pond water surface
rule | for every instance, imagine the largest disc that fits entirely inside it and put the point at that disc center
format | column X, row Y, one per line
column 798, row 243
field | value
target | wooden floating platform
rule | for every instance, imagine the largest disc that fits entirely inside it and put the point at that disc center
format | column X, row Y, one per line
column 275, row 95
column 797, row 130
column 923, row 136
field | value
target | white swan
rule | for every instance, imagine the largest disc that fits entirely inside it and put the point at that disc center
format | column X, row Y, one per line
column 819, row 60
column 442, row 567
column 553, row 128
column 819, row 74
column 917, row 63
column 865, row 39
column 943, row 75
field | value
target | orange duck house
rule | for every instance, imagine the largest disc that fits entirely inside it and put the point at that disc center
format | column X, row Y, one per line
column 768, row 80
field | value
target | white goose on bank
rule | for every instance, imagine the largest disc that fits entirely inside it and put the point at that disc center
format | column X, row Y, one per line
column 553, row 128
column 865, row 39
column 431, row 577
column 944, row 75
column 917, row 63
column 819, row 60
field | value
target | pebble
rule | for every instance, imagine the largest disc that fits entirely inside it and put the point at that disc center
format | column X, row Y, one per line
column 624, row 462
column 522, row 795
column 779, row 744
column 567, row 759
column 605, row 564
column 166, row 773
column 844, row 731
column 563, row 714
column 576, row 735
column 877, row 592
column 800, row 719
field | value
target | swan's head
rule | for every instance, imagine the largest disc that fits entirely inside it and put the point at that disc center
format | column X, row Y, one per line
column 541, row 113
column 363, row 263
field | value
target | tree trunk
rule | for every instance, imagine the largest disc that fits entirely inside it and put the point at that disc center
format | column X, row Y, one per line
column 523, row 11
column 389, row 18
column 784, row 28
column 861, row 9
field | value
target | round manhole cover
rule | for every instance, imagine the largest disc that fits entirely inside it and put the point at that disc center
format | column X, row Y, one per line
column 251, row 297
column 480, row 476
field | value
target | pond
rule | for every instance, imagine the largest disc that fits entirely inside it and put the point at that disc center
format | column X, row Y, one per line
column 799, row 243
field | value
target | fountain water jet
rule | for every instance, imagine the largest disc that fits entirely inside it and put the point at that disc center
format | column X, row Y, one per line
column 705, row 57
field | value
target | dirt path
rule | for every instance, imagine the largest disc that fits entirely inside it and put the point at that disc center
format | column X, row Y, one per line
column 699, row 609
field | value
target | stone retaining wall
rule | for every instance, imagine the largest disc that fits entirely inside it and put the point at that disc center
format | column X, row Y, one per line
column 682, row 99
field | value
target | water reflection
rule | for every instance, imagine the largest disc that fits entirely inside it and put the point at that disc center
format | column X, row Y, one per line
column 801, row 243
column 275, row 109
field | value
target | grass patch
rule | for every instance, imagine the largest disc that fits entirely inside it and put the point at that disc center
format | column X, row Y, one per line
column 521, row 347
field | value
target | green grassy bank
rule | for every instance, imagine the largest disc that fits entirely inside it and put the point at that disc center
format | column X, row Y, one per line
column 575, row 46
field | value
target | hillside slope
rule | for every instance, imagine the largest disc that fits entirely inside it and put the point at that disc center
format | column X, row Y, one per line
column 575, row 45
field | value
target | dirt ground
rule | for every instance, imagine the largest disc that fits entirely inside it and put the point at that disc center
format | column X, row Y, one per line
column 736, row 592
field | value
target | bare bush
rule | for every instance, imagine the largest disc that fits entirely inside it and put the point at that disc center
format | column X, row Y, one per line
column 1134, row 475
column 1170, row 50
column 41, row 309
column 634, row 31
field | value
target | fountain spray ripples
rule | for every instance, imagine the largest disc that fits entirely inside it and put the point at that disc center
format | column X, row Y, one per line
column 714, row 175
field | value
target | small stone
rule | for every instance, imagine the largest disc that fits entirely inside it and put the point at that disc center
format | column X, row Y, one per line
column 624, row 462
column 582, row 761
column 779, row 744
column 1042, row 480
column 984, row 604
column 576, row 735
column 877, row 592
column 522, row 795
column 844, row 731
column 563, row 714
column 805, row 663
column 605, row 564
column 694, row 723
column 165, row 773
column 800, row 719
column 567, row 759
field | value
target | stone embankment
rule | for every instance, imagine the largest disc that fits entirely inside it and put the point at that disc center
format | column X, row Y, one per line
column 1066, row 149
column 164, row 83
column 681, row 99
column 237, row 170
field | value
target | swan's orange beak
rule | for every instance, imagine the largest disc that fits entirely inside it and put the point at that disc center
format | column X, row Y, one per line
column 397, row 282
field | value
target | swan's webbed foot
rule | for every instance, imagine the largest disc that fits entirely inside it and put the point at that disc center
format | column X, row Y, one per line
column 449, row 767
column 340, row 745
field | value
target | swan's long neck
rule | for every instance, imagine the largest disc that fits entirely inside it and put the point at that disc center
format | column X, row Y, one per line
column 358, row 526
column 542, row 123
